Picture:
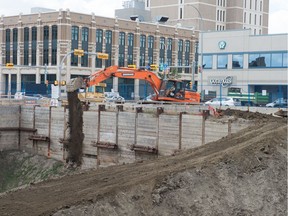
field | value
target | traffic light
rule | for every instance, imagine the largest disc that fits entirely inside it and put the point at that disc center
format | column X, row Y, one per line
column 132, row 66
column 63, row 83
column 153, row 67
column 79, row 52
column 102, row 55
column 9, row 65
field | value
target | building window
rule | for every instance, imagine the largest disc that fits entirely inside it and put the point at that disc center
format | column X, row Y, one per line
column 85, row 39
column 169, row 52
column 244, row 17
column 108, row 47
column 276, row 60
column 74, row 44
column 259, row 60
column 207, row 61
column 255, row 19
column 222, row 61
column 45, row 45
column 260, row 5
column 250, row 18
column 162, row 50
column 54, row 45
column 180, row 54
column 15, row 45
column 99, row 46
column 7, row 45
column 187, row 55
column 150, row 49
column 237, row 61
column 181, row 13
column 130, row 48
column 255, row 4
column 260, row 20
column 34, row 46
column 26, row 46
column 142, row 49
column 121, row 59
column 285, row 59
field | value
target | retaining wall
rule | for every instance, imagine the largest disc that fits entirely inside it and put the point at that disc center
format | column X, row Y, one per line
column 112, row 135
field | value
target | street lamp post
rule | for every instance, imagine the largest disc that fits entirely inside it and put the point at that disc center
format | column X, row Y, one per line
column 201, row 43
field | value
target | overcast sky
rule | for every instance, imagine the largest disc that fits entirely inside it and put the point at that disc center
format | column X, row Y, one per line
column 278, row 20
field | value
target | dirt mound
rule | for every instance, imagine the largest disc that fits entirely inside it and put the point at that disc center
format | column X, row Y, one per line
column 20, row 169
column 243, row 174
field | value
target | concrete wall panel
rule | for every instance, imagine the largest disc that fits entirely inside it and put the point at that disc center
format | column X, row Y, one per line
column 27, row 116
column 90, row 127
column 191, row 131
column 9, row 116
column 126, row 136
column 146, row 127
column 168, row 134
column 57, row 132
column 108, row 127
column 215, row 130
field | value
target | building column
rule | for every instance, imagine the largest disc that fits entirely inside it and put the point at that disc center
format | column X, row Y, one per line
column 18, row 87
column 115, row 84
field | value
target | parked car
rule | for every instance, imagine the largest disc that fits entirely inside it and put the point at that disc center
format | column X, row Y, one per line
column 224, row 101
column 280, row 102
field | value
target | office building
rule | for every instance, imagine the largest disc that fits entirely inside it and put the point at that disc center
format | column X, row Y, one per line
column 39, row 45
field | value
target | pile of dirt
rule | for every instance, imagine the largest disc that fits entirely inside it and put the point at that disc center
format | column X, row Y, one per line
column 21, row 169
column 75, row 141
column 243, row 174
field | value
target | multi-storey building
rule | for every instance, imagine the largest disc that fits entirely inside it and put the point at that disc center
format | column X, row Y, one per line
column 39, row 45
column 206, row 15
column 240, row 59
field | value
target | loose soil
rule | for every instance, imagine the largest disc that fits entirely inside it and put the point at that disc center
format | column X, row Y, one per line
column 243, row 174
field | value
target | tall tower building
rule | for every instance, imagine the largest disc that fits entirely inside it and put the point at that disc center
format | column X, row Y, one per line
column 214, row 15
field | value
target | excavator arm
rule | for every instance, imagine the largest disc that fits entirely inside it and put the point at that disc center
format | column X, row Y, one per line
column 127, row 73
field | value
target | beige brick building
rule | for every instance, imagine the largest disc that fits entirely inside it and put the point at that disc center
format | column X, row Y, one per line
column 216, row 14
column 38, row 43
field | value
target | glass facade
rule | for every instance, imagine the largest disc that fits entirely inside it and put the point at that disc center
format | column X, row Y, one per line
column 237, row 61
column 74, row 44
column 7, row 45
column 26, row 46
column 108, row 47
column 54, row 45
column 207, row 61
column 222, row 61
column 45, row 45
column 99, row 45
column 121, row 53
column 34, row 46
column 15, row 45
column 85, row 40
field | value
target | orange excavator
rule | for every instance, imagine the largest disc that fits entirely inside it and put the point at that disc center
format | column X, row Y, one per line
column 169, row 90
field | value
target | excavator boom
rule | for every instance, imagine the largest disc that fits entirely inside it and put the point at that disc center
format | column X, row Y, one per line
column 165, row 90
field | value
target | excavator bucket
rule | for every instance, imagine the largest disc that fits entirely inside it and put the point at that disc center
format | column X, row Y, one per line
column 75, row 84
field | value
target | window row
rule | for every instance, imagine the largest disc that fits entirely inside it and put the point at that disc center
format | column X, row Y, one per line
column 256, row 60
column 81, row 37
column 258, row 5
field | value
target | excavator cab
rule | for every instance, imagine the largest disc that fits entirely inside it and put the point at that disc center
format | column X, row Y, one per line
column 172, row 88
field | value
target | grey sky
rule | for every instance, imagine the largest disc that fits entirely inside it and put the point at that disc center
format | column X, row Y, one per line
column 277, row 21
